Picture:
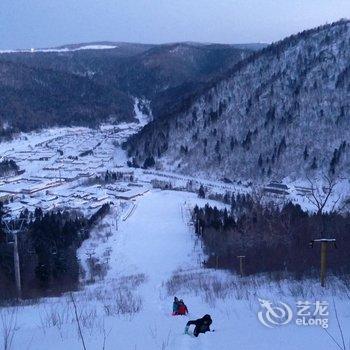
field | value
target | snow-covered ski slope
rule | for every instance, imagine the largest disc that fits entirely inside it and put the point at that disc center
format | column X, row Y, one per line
column 144, row 252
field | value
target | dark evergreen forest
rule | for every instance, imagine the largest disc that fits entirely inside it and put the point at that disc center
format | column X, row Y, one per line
column 47, row 249
column 274, row 240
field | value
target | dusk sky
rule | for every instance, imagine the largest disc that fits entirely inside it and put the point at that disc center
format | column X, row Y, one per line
column 47, row 23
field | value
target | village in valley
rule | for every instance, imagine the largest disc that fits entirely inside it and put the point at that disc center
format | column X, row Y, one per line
column 68, row 169
column 82, row 169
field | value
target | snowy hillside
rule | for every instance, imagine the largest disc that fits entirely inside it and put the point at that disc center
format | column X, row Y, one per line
column 34, row 98
column 86, row 84
column 142, row 254
column 281, row 112
column 151, row 258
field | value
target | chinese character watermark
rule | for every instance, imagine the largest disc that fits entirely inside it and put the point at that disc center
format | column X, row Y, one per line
column 306, row 314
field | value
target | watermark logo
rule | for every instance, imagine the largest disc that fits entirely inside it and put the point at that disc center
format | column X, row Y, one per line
column 306, row 313
column 274, row 315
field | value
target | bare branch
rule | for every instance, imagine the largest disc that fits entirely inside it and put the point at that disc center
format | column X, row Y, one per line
column 339, row 325
column 8, row 327
column 77, row 320
column 320, row 198
column 330, row 335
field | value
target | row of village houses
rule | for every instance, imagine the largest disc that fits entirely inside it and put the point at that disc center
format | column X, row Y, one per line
column 21, row 193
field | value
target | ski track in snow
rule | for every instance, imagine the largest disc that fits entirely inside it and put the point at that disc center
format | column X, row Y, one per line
column 156, row 241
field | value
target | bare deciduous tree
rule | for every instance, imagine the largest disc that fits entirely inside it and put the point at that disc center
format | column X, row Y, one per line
column 319, row 197
column 8, row 319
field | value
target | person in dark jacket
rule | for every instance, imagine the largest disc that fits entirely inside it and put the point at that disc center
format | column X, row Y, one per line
column 176, row 305
column 202, row 325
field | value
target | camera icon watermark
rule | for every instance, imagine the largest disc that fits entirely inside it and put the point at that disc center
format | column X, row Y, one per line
column 305, row 313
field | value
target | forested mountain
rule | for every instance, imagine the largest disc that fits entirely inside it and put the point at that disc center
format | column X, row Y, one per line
column 282, row 111
column 73, row 85
column 165, row 74
column 35, row 97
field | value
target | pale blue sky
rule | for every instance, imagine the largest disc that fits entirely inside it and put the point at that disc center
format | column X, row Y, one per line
column 44, row 23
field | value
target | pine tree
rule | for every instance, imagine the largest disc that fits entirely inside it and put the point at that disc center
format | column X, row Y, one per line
column 282, row 146
column 201, row 192
column 217, row 147
column 232, row 143
column 314, row 164
column 335, row 159
column 248, row 140
column 149, row 162
column 233, row 203
column 269, row 172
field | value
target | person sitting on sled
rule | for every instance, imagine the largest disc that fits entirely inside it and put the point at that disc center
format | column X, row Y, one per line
column 182, row 310
column 176, row 305
column 202, row 325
